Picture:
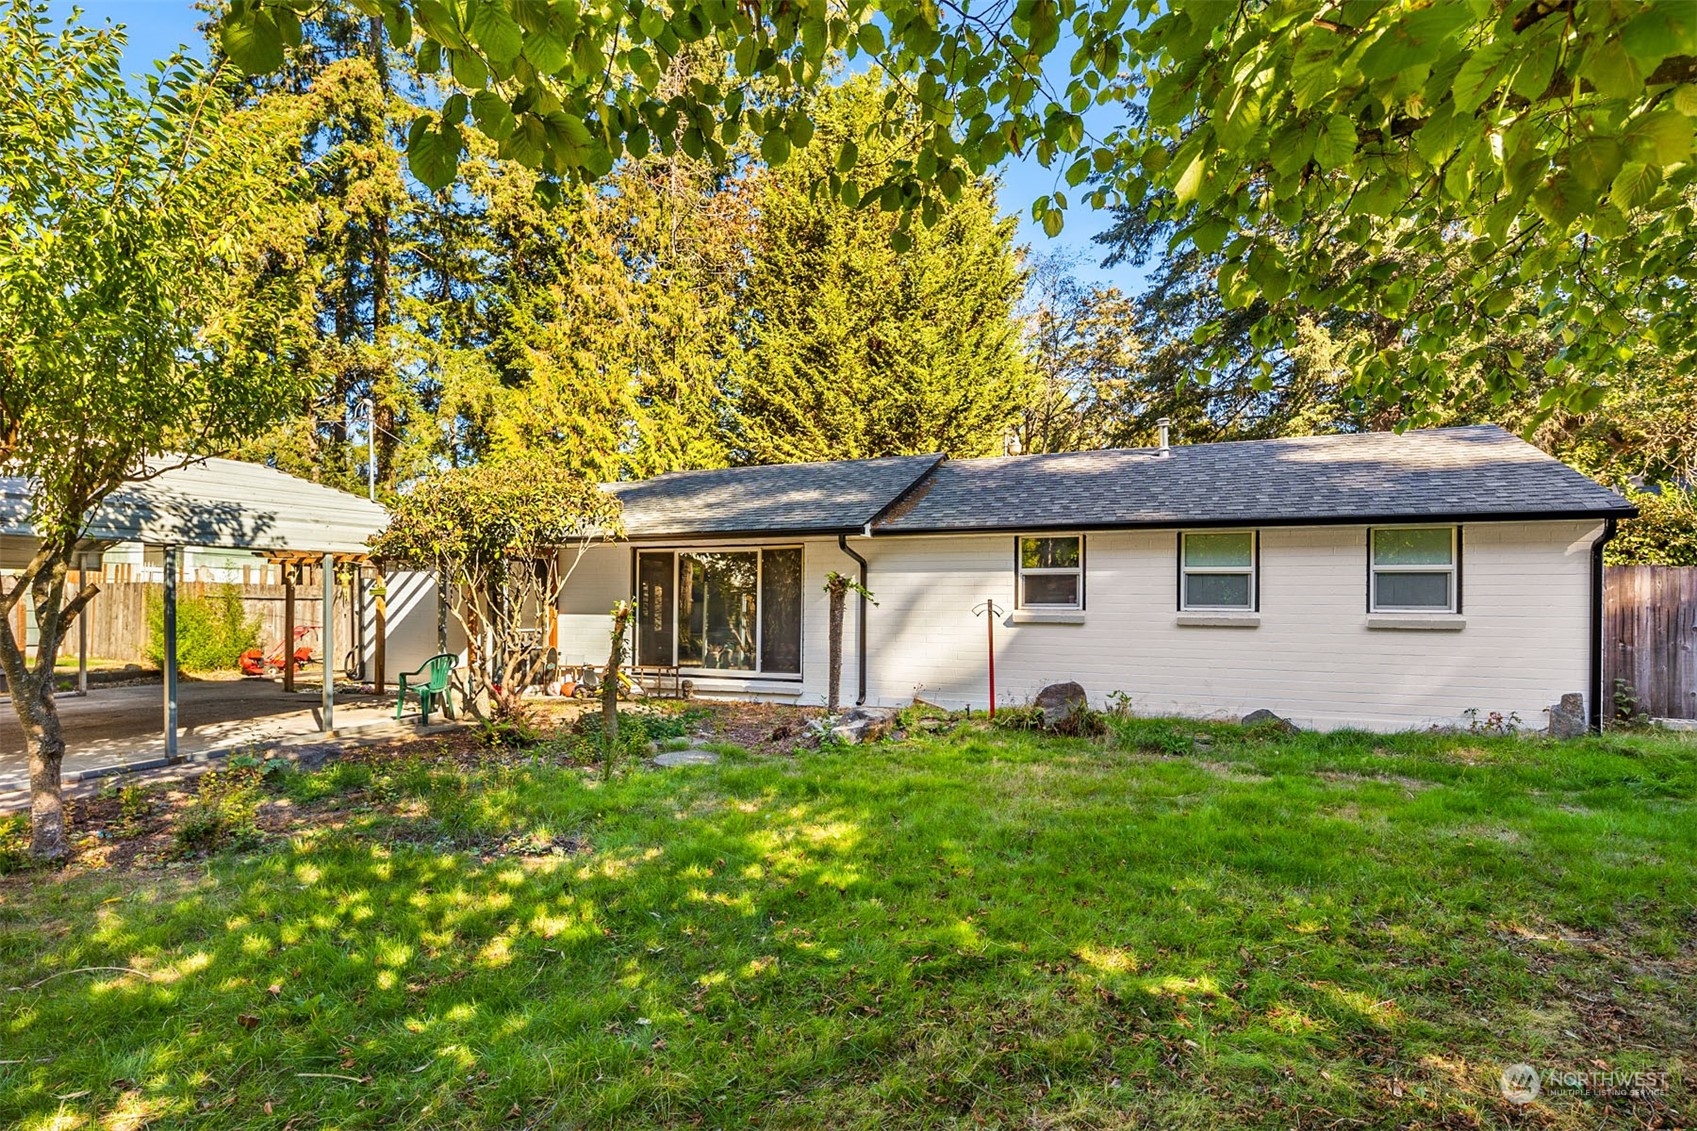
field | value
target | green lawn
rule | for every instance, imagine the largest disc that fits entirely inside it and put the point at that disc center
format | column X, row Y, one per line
column 982, row 928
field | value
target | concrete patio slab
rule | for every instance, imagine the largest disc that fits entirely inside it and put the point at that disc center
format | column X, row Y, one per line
column 118, row 729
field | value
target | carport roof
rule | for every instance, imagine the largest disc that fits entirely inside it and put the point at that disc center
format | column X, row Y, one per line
column 223, row 504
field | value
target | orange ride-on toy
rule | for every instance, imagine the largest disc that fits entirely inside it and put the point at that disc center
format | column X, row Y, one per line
column 256, row 662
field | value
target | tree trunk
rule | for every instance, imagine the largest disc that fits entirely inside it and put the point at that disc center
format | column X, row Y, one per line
column 839, row 599
column 610, row 680
column 33, row 700
column 31, row 689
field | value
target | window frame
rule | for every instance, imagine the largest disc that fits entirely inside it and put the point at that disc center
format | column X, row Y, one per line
column 677, row 554
column 1254, row 573
column 1452, row 570
column 1021, row 572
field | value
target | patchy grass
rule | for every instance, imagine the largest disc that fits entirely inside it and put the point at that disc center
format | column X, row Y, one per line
column 1181, row 925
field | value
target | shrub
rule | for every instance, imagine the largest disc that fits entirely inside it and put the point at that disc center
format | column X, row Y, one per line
column 14, row 844
column 655, row 724
column 213, row 630
column 224, row 813
column 1155, row 736
column 135, row 806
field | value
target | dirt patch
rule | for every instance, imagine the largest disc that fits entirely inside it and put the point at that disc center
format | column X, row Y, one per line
column 1343, row 777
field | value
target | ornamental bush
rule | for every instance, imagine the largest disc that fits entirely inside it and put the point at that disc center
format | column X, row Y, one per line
column 213, row 630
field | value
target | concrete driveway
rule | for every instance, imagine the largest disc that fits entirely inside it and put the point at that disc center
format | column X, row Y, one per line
column 115, row 727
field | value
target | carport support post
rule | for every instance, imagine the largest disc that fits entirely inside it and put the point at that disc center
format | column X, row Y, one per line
column 328, row 620
column 82, row 627
column 289, row 628
column 380, row 627
column 169, row 632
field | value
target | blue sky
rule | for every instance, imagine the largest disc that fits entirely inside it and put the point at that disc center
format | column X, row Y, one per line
column 157, row 27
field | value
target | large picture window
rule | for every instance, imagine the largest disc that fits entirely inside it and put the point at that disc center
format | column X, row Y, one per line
column 1218, row 570
column 1413, row 569
column 1051, row 572
column 720, row 610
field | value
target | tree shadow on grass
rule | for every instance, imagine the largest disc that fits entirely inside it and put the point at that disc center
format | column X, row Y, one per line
column 908, row 935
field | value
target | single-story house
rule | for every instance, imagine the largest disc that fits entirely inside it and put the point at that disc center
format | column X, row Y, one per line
column 1373, row 580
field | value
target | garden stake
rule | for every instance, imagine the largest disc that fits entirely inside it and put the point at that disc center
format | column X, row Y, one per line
column 989, row 611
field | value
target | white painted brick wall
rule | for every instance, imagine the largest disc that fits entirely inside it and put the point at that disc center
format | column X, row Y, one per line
column 1525, row 592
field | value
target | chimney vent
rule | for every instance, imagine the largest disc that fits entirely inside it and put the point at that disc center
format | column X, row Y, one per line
column 1164, row 424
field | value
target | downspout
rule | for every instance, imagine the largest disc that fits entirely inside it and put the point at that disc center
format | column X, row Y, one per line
column 860, row 621
column 1597, row 624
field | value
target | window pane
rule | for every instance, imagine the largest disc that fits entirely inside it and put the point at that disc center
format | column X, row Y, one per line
column 1413, row 590
column 1216, row 590
column 1219, row 549
column 654, row 608
column 1048, row 553
column 716, row 606
column 1412, row 547
column 780, row 611
column 1051, row 589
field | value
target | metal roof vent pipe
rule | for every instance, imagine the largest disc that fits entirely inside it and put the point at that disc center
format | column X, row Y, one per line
column 1164, row 424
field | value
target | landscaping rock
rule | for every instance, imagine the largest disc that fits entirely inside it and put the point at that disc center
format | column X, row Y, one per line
column 1062, row 705
column 694, row 756
column 1264, row 717
column 863, row 724
column 1567, row 718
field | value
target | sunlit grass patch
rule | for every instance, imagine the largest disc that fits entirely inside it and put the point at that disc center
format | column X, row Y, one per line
column 1176, row 924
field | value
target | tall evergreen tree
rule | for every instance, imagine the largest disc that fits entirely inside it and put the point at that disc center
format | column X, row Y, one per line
column 858, row 349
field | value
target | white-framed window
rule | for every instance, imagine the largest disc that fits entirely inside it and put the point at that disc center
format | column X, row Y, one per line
column 1217, row 569
column 1413, row 569
column 1050, row 571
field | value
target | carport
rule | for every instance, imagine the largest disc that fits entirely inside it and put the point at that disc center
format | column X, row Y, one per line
column 229, row 505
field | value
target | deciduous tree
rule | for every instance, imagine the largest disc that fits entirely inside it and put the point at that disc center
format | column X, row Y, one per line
column 504, row 537
column 149, row 298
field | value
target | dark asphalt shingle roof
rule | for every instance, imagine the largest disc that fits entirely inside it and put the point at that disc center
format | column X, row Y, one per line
column 1479, row 471
column 793, row 498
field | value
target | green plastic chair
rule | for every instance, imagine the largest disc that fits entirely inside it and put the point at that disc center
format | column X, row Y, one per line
column 429, row 681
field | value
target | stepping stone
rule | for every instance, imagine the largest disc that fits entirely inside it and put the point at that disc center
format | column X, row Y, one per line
column 694, row 756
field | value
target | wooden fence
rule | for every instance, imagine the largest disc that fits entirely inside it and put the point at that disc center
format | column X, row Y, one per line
column 1650, row 638
column 117, row 618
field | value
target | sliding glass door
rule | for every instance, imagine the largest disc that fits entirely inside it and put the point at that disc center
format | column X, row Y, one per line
column 733, row 611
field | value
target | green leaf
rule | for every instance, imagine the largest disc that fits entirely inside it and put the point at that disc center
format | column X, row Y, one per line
column 1685, row 99
column 1595, row 162
column 1480, row 77
column 468, row 69
column 1663, row 136
column 1634, row 185
column 1053, row 221
column 1335, row 147
column 494, row 116
column 1210, row 235
column 253, row 43
column 547, row 50
column 1537, row 67
column 428, row 60
column 494, row 29
column 1189, row 182
column 847, row 156
column 1560, row 201
column 775, row 148
column 433, row 151
column 1612, row 71
column 871, row 39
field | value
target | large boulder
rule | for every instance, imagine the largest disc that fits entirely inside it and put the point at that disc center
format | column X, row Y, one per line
column 1266, row 718
column 1567, row 718
column 863, row 724
column 1062, row 704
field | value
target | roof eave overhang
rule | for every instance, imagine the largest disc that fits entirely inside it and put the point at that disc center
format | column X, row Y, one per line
column 788, row 535
column 1284, row 520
